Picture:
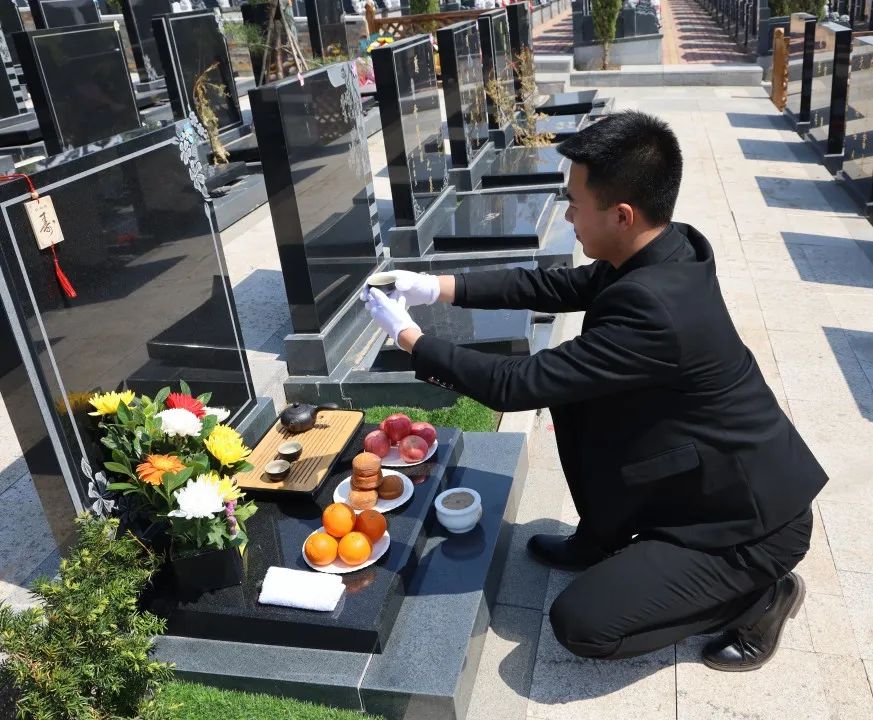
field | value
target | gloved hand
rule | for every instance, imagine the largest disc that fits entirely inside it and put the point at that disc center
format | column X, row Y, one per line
column 390, row 315
column 415, row 288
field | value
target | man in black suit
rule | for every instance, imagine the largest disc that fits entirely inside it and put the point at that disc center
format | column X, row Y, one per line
column 692, row 486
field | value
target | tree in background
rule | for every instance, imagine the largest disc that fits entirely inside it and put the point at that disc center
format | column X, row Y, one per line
column 780, row 8
column 605, row 15
column 424, row 7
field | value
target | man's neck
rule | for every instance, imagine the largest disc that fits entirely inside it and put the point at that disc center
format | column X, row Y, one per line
column 639, row 242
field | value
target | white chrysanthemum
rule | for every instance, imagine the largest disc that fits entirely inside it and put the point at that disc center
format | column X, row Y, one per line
column 219, row 413
column 181, row 422
column 200, row 498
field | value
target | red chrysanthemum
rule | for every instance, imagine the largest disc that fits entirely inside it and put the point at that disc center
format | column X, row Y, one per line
column 185, row 402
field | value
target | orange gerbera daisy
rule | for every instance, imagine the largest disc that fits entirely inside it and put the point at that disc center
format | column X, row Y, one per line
column 152, row 470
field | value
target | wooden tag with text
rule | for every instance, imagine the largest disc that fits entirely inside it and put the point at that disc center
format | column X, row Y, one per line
column 46, row 228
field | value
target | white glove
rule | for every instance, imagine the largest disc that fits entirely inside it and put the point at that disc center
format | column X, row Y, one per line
column 390, row 315
column 415, row 288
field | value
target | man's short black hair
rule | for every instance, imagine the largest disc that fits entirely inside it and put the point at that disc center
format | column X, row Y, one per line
column 632, row 158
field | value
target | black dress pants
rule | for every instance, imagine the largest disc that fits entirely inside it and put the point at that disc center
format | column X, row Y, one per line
column 654, row 593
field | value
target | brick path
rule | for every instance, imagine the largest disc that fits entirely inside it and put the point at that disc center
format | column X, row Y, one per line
column 692, row 36
column 555, row 37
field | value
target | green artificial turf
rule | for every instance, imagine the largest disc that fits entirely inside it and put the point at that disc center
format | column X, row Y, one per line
column 188, row 701
column 465, row 414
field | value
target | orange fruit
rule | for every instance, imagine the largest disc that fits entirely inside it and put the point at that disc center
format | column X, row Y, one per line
column 372, row 524
column 338, row 519
column 320, row 548
column 354, row 548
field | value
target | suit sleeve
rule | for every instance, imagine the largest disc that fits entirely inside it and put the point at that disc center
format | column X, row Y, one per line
column 553, row 290
column 631, row 344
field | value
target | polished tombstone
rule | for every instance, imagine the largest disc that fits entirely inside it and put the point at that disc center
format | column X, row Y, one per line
column 365, row 616
column 520, row 37
column 527, row 166
column 142, row 252
column 138, row 16
column 79, row 83
column 801, row 47
column 497, row 74
column 830, row 76
column 63, row 13
column 561, row 127
column 19, row 129
column 10, row 22
column 322, row 203
column 192, row 47
column 857, row 169
column 327, row 29
column 465, row 102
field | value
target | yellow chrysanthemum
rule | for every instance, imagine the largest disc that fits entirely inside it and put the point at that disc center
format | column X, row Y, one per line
column 107, row 403
column 226, row 445
column 229, row 490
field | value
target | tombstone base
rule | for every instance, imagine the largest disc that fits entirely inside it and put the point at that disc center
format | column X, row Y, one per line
column 417, row 240
column 242, row 197
column 502, row 137
column 526, row 166
column 150, row 85
column 833, row 162
column 469, row 178
column 562, row 127
column 569, row 103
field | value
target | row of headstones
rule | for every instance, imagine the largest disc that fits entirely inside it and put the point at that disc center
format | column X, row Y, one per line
column 738, row 17
column 830, row 98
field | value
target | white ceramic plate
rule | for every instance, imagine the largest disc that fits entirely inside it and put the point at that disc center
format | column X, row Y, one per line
column 341, row 494
column 392, row 459
column 338, row 567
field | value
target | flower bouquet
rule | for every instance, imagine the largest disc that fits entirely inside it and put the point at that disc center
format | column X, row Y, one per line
column 173, row 453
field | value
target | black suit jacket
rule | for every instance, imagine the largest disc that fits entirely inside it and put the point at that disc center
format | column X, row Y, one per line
column 664, row 424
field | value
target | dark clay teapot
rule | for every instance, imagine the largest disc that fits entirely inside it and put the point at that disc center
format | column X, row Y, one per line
column 299, row 417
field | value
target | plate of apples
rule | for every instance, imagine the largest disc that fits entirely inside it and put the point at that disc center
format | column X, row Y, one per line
column 401, row 442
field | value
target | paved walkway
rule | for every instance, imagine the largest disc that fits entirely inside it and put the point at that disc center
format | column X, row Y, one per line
column 691, row 36
column 795, row 263
column 555, row 37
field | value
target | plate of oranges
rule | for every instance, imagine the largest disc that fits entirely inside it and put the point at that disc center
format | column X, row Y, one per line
column 346, row 541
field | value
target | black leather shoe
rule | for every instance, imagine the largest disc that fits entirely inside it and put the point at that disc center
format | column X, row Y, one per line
column 565, row 553
column 748, row 648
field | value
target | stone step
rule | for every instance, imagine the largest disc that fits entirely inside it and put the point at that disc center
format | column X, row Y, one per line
column 656, row 75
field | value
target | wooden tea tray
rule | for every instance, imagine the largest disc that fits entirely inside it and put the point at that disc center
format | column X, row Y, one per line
column 322, row 445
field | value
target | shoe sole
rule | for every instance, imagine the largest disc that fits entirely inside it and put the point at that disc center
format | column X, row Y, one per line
column 799, row 597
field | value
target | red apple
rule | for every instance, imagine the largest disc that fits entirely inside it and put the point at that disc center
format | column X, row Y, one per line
column 425, row 431
column 397, row 427
column 412, row 449
column 377, row 442
column 382, row 426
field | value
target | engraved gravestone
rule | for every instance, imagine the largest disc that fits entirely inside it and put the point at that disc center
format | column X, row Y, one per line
column 496, row 64
column 800, row 48
column 830, row 75
column 138, row 16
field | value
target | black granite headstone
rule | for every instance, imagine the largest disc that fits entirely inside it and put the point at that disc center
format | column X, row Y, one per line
column 520, row 36
column 317, row 171
column 141, row 250
column 409, row 107
column 800, row 65
column 463, row 91
column 257, row 16
column 327, row 29
column 496, row 60
column 858, row 158
column 10, row 21
column 829, row 86
column 138, row 16
column 12, row 100
column 63, row 13
column 79, row 83
column 189, row 44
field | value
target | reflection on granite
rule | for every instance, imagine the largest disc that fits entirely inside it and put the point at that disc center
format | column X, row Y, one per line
column 138, row 16
column 317, row 172
column 363, row 620
column 561, row 126
column 527, row 166
column 520, row 37
column 463, row 91
column 495, row 221
column 9, row 100
column 63, row 13
column 189, row 44
column 496, row 60
column 142, row 255
column 409, row 107
column 858, row 153
column 70, row 73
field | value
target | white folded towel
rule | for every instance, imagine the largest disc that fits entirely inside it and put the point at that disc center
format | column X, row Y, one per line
column 301, row 589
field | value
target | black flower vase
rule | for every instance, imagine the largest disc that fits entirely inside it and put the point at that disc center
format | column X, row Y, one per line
column 206, row 570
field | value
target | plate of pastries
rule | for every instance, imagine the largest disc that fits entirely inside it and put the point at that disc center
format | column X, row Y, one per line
column 372, row 487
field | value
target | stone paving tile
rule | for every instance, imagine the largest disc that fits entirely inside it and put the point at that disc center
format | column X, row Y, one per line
column 847, row 687
column 566, row 687
column 692, row 36
column 555, row 36
column 829, row 625
column 25, row 538
column 850, row 534
column 858, row 592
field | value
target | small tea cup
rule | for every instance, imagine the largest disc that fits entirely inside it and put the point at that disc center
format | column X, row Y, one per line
column 277, row 469
column 290, row 450
column 385, row 281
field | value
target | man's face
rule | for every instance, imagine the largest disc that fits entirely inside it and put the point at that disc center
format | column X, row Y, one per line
column 591, row 224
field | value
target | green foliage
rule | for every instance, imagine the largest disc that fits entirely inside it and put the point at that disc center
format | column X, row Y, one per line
column 246, row 35
column 84, row 653
column 779, row 8
column 424, row 7
column 605, row 15
column 465, row 414
column 115, row 6
column 187, row 701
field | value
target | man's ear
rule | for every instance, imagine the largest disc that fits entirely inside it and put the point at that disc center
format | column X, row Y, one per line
column 625, row 215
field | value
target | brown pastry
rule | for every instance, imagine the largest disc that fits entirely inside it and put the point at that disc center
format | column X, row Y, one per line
column 366, row 482
column 366, row 464
column 391, row 487
column 363, row 499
